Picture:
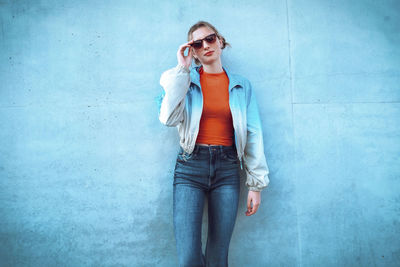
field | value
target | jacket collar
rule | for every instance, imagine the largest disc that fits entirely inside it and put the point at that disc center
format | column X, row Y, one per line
column 195, row 77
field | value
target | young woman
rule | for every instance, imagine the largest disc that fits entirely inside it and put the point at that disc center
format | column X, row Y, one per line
column 220, row 131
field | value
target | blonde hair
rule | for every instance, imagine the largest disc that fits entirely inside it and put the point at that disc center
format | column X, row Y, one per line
column 200, row 24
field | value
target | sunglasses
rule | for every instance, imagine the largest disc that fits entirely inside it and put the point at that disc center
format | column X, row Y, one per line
column 209, row 39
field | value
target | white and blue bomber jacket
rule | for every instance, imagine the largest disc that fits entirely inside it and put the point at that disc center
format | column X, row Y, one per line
column 181, row 105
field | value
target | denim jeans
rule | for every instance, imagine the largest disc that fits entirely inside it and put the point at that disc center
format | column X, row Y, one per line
column 210, row 172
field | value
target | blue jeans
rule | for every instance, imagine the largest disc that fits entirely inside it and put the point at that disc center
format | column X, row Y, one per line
column 212, row 172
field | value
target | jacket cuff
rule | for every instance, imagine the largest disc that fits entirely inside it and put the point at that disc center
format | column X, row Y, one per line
column 257, row 189
column 182, row 68
column 256, row 184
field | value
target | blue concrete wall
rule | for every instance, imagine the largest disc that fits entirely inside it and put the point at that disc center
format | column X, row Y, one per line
column 86, row 167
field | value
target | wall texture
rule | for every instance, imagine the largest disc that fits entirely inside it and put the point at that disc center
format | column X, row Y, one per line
column 86, row 167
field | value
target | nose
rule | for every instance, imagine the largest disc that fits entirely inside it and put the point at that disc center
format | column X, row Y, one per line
column 205, row 44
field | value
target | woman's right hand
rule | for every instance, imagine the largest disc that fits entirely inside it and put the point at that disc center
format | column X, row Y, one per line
column 182, row 59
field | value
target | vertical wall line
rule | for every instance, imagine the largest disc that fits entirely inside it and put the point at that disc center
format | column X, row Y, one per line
column 299, row 247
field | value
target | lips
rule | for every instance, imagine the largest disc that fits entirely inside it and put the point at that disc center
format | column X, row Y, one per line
column 209, row 53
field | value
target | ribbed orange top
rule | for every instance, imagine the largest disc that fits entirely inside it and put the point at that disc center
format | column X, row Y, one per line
column 216, row 125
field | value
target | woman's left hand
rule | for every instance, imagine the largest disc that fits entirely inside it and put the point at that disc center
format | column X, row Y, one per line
column 255, row 197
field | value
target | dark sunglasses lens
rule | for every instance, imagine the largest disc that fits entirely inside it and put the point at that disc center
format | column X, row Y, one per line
column 197, row 44
column 211, row 39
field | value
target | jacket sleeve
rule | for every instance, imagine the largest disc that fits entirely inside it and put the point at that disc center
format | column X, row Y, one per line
column 175, row 82
column 254, row 158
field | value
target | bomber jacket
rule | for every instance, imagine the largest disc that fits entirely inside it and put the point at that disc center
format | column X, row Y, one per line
column 181, row 105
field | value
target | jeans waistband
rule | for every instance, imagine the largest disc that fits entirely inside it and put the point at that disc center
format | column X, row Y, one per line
column 221, row 148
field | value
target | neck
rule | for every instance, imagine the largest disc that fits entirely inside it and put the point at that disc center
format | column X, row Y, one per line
column 215, row 67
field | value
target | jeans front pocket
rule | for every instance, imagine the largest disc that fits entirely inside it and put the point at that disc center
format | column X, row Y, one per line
column 231, row 156
column 184, row 157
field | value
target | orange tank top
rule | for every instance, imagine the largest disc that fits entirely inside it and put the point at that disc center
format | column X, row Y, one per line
column 216, row 125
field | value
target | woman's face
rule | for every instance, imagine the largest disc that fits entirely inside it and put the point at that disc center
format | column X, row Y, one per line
column 215, row 47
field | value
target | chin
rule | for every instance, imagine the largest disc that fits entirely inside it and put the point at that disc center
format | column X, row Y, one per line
column 208, row 61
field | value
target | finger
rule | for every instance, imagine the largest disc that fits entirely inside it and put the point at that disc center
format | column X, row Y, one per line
column 189, row 54
column 182, row 49
column 249, row 212
column 182, row 53
column 249, row 203
column 188, row 44
column 255, row 208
